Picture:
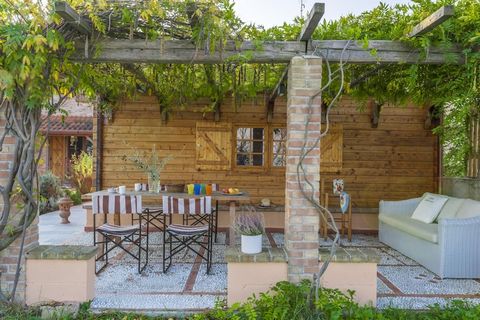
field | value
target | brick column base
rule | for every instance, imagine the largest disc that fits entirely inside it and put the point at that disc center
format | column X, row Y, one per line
column 9, row 256
column 301, row 218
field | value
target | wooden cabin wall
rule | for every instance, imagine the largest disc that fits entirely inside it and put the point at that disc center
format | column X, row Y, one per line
column 396, row 160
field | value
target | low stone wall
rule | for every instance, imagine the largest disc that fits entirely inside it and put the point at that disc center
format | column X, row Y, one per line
column 60, row 274
column 349, row 269
column 352, row 269
column 461, row 187
column 249, row 274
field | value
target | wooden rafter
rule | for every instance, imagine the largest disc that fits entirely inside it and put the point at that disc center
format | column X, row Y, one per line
column 71, row 17
column 307, row 31
column 428, row 24
column 432, row 21
column 312, row 21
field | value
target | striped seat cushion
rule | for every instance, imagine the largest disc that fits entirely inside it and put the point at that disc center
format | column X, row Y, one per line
column 182, row 230
column 117, row 230
column 192, row 206
column 114, row 203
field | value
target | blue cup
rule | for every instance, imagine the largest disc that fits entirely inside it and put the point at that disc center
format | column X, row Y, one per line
column 197, row 189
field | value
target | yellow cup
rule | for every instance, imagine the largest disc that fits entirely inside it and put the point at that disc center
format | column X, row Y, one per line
column 190, row 188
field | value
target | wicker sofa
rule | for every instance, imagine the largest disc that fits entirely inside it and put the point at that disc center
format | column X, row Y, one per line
column 449, row 247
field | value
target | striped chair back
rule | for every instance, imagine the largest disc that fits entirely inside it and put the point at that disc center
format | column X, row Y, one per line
column 115, row 203
column 201, row 205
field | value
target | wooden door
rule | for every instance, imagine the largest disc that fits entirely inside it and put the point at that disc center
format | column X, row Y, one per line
column 58, row 156
column 213, row 146
column 331, row 149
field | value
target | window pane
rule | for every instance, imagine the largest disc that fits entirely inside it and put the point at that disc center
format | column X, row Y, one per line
column 258, row 146
column 258, row 159
column 243, row 133
column 279, row 134
column 279, row 147
column 243, row 160
column 257, row 133
column 244, row 146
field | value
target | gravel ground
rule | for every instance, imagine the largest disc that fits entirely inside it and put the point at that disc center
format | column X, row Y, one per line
column 120, row 286
column 415, row 303
column 418, row 280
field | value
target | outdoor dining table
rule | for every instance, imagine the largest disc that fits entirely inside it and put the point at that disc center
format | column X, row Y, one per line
column 232, row 201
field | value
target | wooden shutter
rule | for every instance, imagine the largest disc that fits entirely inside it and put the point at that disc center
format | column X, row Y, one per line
column 213, row 146
column 331, row 149
column 58, row 156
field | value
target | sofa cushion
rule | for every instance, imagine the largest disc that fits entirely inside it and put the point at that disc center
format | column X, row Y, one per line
column 403, row 222
column 450, row 208
column 429, row 208
column 469, row 209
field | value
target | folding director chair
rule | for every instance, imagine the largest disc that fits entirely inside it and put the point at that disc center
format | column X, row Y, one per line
column 180, row 236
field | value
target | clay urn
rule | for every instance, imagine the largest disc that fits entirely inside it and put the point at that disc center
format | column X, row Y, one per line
column 64, row 205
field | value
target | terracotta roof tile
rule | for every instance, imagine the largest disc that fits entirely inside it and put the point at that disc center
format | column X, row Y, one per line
column 68, row 126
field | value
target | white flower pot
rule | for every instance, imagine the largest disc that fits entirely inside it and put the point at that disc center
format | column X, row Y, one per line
column 252, row 244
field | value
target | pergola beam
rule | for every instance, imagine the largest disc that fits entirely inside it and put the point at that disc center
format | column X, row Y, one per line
column 305, row 35
column 424, row 26
column 184, row 51
column 312, row 21
column 432, row 21
column 71, row 17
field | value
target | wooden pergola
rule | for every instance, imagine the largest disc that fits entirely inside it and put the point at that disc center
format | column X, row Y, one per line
column 185, row 51
column 387, row 52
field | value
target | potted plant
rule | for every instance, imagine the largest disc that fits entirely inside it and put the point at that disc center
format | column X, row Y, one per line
column 151, row 164
column 251, row 227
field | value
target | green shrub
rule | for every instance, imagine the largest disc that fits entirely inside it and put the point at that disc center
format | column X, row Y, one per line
column 74, row 195
column 82, row 171
column 50, row 192
column 288, row 301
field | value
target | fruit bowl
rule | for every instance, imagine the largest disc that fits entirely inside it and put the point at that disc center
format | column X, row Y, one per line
column 231, row 192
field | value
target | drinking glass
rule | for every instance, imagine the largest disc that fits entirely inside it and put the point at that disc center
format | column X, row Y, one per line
column 197, row 189
column 202, row 188
column 190, row 188
column 208, row 189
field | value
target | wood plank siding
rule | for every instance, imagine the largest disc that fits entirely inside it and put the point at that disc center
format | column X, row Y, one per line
column 397, row 160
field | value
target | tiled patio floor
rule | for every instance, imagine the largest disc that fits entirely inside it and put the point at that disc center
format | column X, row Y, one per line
column 186, row 288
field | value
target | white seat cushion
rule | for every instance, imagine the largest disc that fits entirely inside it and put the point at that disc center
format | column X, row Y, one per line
column 425, row 231
column 429, row 208
column 469, row 209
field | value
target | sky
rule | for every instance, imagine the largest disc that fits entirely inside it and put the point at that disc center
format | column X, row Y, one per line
column 274, row 12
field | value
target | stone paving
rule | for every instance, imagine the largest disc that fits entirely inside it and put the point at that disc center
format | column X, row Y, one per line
column 185, row 288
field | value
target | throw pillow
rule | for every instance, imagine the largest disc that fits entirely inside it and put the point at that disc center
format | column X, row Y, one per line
column 429, row 208
column 469, row 209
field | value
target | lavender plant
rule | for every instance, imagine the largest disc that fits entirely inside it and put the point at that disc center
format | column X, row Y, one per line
column 249, row 223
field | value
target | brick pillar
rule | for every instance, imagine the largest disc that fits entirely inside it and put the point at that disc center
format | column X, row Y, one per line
column 9, row 256
column 301, row 218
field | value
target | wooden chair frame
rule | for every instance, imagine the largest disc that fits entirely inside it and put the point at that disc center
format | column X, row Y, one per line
column 203, row 219
column 120, row 239
column 345, row 221
column 177, row 243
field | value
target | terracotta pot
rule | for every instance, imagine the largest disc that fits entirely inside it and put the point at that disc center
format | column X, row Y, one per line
column 64, row 205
